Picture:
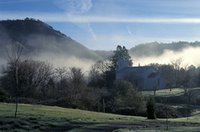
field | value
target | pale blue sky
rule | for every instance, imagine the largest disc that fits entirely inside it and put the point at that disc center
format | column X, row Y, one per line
column 103, row 24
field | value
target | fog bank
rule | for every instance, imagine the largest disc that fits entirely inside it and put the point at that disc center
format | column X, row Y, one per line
column 189, row 56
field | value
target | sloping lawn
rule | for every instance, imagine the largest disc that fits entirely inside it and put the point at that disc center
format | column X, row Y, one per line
column 54, row 112
column 165, row 92
column 52, row 118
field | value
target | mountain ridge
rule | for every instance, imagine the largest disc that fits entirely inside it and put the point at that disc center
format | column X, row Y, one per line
column 156, row 49
column 38, row 37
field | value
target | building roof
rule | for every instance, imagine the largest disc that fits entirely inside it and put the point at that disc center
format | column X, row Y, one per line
column 140, row 69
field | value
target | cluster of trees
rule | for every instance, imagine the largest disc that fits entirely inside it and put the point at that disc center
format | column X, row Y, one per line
column 120, row 96
column 38, row 80
column 26, row 80
column 176, row 75
column 31, row 81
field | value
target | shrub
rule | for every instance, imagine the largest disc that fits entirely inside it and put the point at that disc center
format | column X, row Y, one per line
column 2, row 95
column 164, row 111
column 126, row 96
column 126, row 111
column 151, row 109
column 130, row 111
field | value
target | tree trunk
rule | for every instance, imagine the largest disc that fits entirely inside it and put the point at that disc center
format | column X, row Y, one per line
column 104, row 106
column 17, row 86
column 98, row 106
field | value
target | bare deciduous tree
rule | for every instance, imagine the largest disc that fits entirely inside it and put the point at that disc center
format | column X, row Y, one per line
column 76, row 84
column 14, row 57
column 177, row 66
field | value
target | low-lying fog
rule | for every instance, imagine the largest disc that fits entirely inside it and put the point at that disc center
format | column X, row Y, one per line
column 188, row 56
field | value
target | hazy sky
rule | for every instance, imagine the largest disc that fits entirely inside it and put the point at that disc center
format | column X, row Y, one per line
column 103, row 24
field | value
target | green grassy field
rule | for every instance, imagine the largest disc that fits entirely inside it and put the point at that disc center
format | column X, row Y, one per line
column 52, row 118
column 168, row 92
column 165, row 92
column 53, row 112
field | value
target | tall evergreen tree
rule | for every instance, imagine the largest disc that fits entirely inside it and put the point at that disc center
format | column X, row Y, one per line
column 120, row 53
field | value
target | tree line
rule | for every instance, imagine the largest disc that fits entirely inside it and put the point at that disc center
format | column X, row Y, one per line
column 31, row 81
column 178, row 76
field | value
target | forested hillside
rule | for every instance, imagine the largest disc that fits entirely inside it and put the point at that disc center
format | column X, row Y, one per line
column 38, row 37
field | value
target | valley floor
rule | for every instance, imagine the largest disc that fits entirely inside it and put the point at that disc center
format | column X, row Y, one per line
column 52, row 118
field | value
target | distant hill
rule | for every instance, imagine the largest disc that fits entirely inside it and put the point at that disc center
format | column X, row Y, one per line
column 155, row 48
column 38, row 37
column 104, row 54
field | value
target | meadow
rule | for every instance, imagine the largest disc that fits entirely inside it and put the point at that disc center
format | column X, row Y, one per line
column 52, row 118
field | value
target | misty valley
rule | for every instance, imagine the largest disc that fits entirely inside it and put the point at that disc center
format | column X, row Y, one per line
column 51, row 82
